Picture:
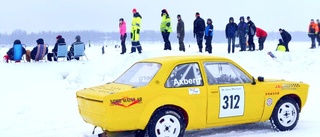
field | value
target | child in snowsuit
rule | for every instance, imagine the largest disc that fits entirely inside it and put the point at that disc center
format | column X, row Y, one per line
column 208, row 36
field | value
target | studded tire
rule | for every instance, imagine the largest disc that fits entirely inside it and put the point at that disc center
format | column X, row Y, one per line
column 285, row 115
column 166, row 122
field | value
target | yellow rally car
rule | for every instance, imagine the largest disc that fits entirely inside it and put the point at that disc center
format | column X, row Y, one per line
column 167, row 95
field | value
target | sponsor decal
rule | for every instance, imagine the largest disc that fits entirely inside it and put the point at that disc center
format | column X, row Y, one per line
column 194, row 91
column 288, row 86
column 126, row 101
column 272, row 93
column 269, row 101
column 187, row 81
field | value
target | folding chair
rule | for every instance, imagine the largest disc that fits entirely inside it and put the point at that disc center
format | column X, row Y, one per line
column 41, row 53
column 62, row 51
column 78, row 51
column 17, row 53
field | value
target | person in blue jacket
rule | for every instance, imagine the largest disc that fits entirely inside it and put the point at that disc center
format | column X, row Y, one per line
column 208, row 36
column 242, row 33
column 231, row 31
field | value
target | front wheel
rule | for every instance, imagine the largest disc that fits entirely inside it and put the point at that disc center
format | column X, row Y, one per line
column 166, row 123
column 285, row 115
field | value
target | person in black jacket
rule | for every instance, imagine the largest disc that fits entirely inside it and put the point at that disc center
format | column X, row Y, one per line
column 251, row 33
column 36, row 54
column 231, row 30
column 180, row 33
column 60, row 40
column 318, row 35
column 286, row 37
column 198, row 30
column 71, row 51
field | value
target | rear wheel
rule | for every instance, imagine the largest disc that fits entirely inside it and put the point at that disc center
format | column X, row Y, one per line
column 285, row 115
column 166, row 123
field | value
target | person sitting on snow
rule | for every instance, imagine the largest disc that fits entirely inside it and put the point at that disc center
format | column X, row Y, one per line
column 281, row 46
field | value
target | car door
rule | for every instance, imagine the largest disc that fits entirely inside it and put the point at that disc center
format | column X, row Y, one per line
column 232, row 98
column 185, row 83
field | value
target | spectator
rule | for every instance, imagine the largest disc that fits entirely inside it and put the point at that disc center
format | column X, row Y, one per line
column 71, row 51
column 262, row 36
column 180, row 33
column 209, row 35
column 37, row 52
column 312, row 33
column 231, row 30
column 53, row 55
column 11, row 52
column 281, row 46
column 123, row 35
column 286, row 37
column 166, row 29
column 318, row 35
column 198, row 30
column 135, row 31
column 242, row 33
column 251, row 33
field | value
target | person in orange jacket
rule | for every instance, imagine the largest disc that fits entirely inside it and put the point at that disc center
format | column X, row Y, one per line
column 312, row 33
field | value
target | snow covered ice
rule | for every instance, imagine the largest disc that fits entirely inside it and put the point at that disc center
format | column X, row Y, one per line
column 38, row 99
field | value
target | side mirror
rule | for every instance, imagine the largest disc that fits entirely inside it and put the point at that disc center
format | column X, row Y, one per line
column 253, row 81
column 261, row 79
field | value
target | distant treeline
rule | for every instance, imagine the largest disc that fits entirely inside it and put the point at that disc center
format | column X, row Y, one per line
column 113, row 37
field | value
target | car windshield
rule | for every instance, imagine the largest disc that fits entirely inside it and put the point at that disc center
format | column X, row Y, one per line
column 140, row 74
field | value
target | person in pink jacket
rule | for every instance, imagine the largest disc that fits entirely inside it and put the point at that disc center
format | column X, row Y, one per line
column 123, row 35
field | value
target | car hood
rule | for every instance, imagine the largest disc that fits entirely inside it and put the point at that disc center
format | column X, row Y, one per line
column 99, row 92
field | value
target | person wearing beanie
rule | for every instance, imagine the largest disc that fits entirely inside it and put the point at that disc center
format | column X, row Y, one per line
column 166, row 29
column 123, row 35
column 198, row 30
column 312, row 33
column 231, row 31
column 208, row 36
column 11, row 52
column 60, row 40
column 242, row 34
column 180, row 33
column 135, row 32
column 38, row 52
column 251, row 33
column 286, row 37
column 71, row 50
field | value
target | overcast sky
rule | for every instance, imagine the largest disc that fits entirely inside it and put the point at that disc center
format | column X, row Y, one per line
column 103, row 15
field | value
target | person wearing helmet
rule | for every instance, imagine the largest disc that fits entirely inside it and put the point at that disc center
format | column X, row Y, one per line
column 231, row 32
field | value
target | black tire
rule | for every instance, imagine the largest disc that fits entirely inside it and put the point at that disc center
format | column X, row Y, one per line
column 171, row 122
column 285, row 115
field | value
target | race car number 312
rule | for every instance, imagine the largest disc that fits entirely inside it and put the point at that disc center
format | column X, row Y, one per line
column 231, row 101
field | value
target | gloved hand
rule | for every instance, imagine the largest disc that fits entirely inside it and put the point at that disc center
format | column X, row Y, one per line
column 205, row 37
column 131, row 34
column 138, row 31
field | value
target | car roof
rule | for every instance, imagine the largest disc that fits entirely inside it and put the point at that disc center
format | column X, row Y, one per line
column 182, row 58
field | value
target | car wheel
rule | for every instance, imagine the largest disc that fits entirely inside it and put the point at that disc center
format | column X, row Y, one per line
column 166, row 123
column 285, row 115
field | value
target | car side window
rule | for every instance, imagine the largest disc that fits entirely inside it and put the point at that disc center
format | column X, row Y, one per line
column 185, row 75
column 224, row 73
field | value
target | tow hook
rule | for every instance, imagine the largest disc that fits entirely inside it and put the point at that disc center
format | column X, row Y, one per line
column 94, row 128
